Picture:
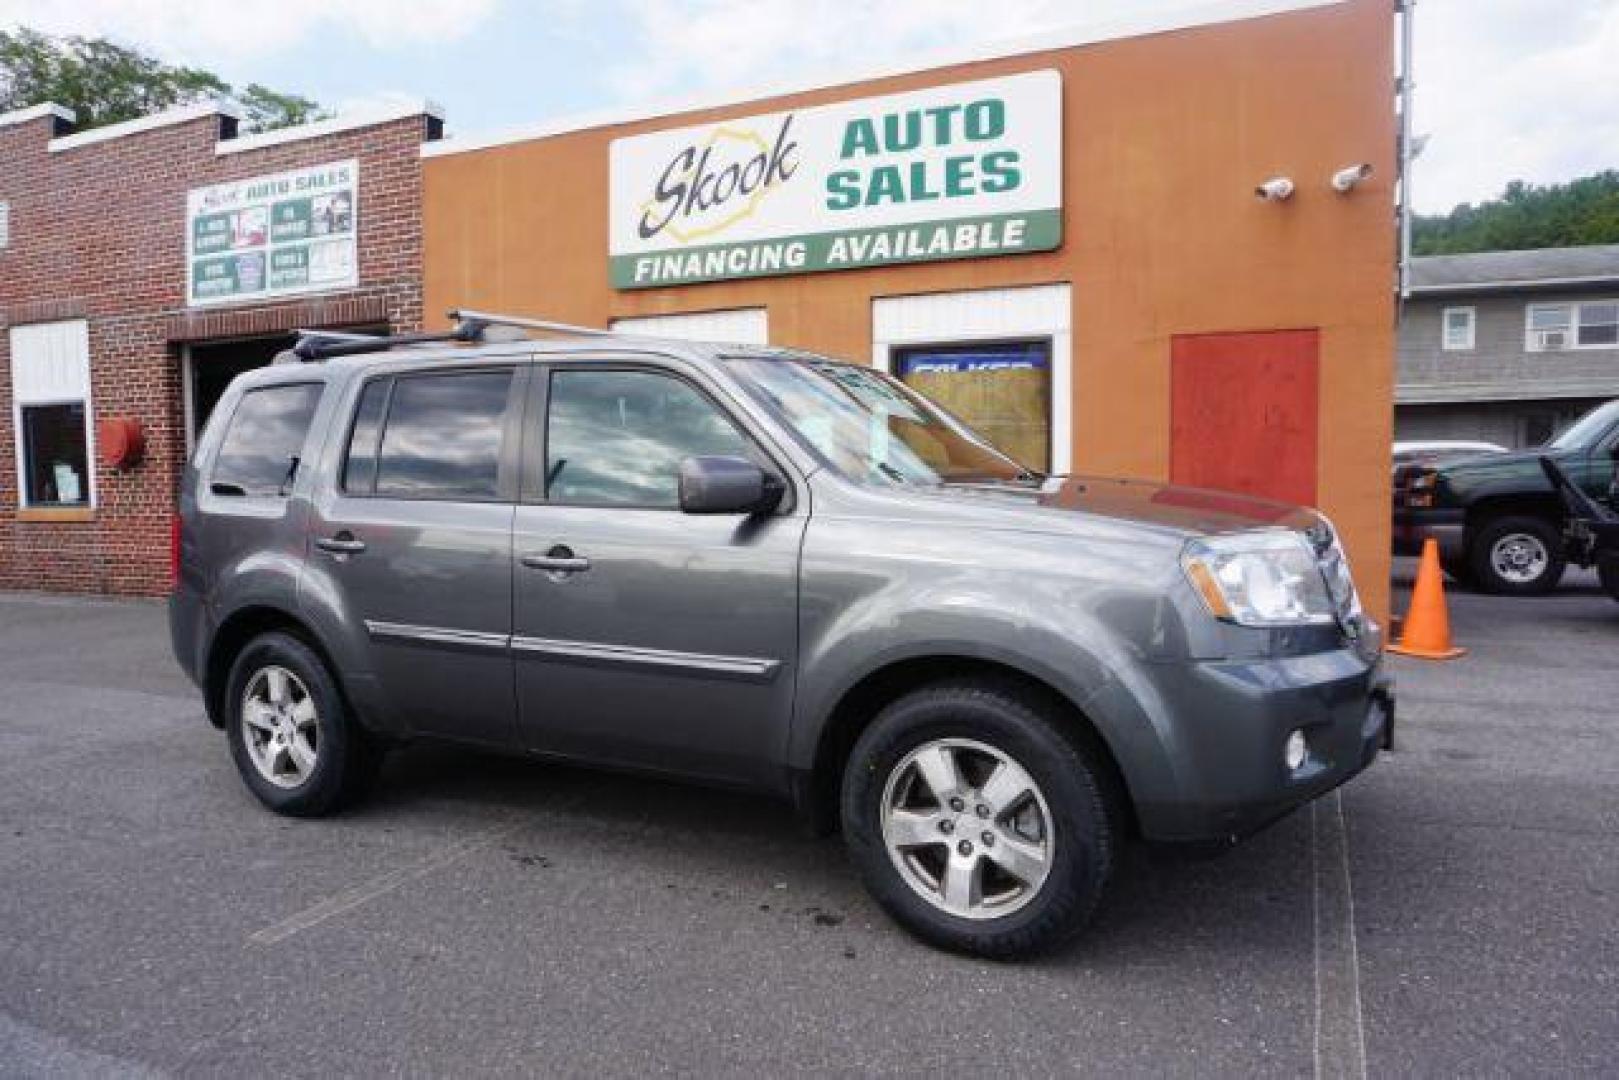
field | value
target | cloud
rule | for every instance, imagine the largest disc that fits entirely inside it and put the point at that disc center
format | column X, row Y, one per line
column 713, row 44
column 1513, row 90
column 201, row 32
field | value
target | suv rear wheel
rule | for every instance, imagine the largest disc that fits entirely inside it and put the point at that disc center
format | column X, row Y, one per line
column 1517, row 556
column 976, row 823
column 291, row 734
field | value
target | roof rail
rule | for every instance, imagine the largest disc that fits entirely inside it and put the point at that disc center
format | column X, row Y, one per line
column 463, row 315
column 323, row 346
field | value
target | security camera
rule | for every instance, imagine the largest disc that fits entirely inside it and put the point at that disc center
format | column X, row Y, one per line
column 1344, row 180
column 1276, row 189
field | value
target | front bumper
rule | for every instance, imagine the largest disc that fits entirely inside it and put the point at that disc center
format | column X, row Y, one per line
column 1233, row 722
column 1413, row 526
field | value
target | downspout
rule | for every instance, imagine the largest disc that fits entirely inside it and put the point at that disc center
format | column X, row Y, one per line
column 1405, row 10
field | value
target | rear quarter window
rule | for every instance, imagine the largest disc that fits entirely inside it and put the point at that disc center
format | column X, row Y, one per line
column 264, row 440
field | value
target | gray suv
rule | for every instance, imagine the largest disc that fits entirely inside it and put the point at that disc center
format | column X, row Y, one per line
column 766, row 569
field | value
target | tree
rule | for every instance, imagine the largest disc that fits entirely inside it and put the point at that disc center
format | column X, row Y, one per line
column 104, row 82
column 1584, row 211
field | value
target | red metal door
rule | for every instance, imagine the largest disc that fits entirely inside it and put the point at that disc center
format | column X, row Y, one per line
column 1243, row 412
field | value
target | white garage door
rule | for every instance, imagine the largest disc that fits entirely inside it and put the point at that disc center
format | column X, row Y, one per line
column 739, row 326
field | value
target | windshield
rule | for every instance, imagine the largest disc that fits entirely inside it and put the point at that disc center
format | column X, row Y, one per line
column 871, row 427
column 1588, row 428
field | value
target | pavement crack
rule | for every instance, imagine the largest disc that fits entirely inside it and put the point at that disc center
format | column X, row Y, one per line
column 1340, row 1028
column 363, row 893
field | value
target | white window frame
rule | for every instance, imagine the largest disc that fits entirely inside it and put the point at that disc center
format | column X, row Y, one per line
column 1576, row 307
column 26, row 395
column 1010, row 314
column 1470, row 343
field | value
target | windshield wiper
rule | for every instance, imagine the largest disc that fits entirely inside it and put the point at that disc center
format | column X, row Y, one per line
column 893, row 474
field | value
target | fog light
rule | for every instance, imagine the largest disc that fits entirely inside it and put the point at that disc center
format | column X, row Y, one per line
column 1293, row 754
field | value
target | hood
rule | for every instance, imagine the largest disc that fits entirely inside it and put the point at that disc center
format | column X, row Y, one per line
column 1512, row 463
column 1185, row 511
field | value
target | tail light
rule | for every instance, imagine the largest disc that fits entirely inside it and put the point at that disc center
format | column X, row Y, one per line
column 174, row 549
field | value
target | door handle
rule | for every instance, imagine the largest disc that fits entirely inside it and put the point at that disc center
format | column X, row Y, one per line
column 343, row 543
column 559, row 560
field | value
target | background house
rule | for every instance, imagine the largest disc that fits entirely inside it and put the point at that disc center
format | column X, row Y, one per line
column 1507, row 346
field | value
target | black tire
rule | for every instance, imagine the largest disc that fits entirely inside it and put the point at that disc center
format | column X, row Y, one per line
column 1485, row 538
column 346, row 758
column 1084, row 832
column 1608, row 574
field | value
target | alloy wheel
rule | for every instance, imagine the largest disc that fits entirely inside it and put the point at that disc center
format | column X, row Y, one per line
column 279, row 726
column 967, row 828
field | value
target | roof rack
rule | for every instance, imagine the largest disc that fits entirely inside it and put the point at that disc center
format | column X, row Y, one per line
column 489, row 319
column 470, row 326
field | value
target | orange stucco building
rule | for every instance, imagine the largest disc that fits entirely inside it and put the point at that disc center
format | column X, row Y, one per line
column 1165, row 322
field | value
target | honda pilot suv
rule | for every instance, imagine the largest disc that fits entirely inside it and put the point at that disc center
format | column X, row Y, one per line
column 766, row 569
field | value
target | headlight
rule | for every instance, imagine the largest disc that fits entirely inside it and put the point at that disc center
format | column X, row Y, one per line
column 1259, row 579
column 1422, row 488
column 1340, row 582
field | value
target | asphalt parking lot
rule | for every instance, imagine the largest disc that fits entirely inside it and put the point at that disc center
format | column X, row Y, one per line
column 1455, row 912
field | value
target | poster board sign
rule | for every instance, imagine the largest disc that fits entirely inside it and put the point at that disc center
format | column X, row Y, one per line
column 271, row 236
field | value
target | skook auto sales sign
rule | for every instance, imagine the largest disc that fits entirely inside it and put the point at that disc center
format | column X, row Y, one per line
column 953, row 172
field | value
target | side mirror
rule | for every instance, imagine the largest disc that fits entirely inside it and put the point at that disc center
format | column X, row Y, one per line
column 727, row 485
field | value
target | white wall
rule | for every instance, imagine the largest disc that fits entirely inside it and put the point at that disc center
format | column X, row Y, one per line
column 740, row 326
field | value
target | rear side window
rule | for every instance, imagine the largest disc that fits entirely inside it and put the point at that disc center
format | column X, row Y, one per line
column 441, row 437
column 260, row 451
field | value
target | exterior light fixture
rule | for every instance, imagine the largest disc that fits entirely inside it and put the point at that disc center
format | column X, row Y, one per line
column 1276, row 189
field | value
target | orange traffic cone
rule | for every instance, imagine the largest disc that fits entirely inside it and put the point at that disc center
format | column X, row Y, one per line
column 1425, row 633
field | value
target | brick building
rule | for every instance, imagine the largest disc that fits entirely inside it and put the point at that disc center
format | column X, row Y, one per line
column 144, row 264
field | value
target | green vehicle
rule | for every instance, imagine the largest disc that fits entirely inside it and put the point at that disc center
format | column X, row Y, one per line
column 1499, row 522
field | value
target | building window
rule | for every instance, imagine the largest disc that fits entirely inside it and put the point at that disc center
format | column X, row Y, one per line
column 1593, row 324
column 999, row 359
column 1599, row 325
column 50, row 387
column 5, row 224
column 56, row 469
column 1001, row 389
column 1459, row 328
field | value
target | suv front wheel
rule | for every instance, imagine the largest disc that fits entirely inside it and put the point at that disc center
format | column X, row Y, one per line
column 1517, row 556
column 290, row 732
column 976, row 823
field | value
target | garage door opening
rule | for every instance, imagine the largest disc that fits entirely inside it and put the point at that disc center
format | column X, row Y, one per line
column 210, row 366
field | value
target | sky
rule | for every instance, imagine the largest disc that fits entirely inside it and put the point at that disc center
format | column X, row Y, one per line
column 1506, row 89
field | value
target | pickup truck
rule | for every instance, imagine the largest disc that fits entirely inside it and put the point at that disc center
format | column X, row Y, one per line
column 1499, row 522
